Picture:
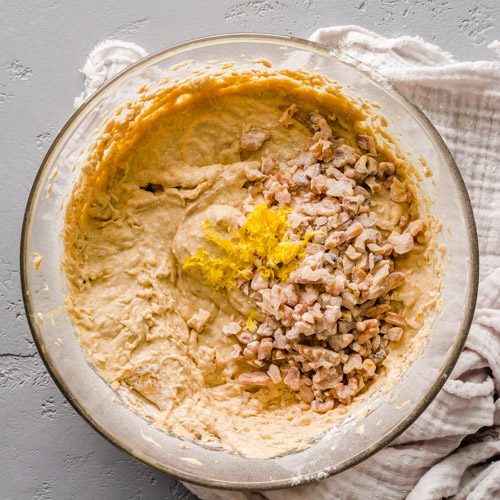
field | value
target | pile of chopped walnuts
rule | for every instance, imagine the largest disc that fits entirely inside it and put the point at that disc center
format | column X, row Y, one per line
column 325, row 330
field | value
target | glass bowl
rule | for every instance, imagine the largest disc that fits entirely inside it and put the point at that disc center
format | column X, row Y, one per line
column 385, row 417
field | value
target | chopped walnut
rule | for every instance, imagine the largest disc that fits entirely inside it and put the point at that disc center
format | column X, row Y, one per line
column 340, row 237
column 372, row 183
column 236, row 352
column 320, row 126
column 267, row 166
column 415, row 227
column 395, row 333
column 253, row 174
column 292, row 378
column 394, row 280
column 322, row 150
column 251, row 350
column 254, row 378
column 386, row 168
column 369, row 366
column 258, row 282
column 338, row 188
column 355, row 362
column 306, row 394
column 376, row 311
column 253, row 139
column 394, row 319
column 398, row 191
column 344, row 155
column 246, row 337
column 403, row 243
column 274, row 373
column 232, row 328
column 322, row 406
column 199, row 319
column 366, row 143
column 286, row 118
column 282, row 196
column 265, row 348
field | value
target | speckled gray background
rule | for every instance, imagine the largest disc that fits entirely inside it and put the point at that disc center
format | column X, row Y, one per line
column 47, row 451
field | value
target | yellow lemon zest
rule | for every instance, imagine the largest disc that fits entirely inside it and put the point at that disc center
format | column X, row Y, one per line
column 260, row 244
column 251, row 322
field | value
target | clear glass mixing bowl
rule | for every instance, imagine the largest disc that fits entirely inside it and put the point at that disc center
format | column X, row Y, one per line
column 44, row 289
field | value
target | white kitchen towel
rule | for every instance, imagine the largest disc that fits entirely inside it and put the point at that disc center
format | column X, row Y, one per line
column 107, row 60
column 453, row 449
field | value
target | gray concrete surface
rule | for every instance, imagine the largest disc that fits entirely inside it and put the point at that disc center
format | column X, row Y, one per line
column 47, row 451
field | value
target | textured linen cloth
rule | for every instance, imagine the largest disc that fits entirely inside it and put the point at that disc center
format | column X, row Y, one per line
column 453, row 449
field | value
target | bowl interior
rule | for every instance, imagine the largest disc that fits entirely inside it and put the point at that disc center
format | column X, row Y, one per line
column 356, row 437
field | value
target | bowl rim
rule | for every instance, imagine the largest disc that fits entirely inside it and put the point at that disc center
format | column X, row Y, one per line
column 394, row 92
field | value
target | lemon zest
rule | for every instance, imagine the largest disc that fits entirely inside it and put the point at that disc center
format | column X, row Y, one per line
column 251, row 322
column 261, row 245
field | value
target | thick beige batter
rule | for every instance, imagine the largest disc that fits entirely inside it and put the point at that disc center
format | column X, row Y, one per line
column 151, row 182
